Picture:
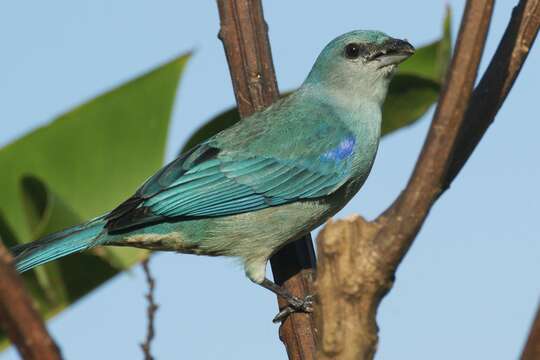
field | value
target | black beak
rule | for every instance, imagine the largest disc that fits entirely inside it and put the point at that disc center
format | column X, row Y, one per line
column 392, row 52
column 397, row 46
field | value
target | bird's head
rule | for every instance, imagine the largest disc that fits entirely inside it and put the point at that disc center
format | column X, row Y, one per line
column 359, row 63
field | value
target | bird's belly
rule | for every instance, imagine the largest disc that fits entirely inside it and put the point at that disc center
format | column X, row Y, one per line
column 256, row 234
column 262, row 233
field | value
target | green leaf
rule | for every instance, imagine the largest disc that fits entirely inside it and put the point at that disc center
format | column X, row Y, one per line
column 7, row 236
column 431, row 61
column 224, row 120
column 78, row 166
column 412, row 91
column 46, row 213
column 418, row 83
column 409, row 97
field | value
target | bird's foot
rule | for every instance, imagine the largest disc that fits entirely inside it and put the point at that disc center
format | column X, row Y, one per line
column 295, row 305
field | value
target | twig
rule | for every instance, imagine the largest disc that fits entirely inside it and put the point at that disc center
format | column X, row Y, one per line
column 18, row 316
column 150, row 311
column 358, row 259
column 531, row 351
column 245, row 39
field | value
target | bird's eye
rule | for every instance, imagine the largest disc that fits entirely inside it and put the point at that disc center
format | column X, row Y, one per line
column 352, row 51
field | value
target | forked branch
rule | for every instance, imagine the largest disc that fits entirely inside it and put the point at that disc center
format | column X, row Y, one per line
column 357, row 258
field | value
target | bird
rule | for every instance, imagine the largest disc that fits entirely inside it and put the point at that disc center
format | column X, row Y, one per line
column 263, row 182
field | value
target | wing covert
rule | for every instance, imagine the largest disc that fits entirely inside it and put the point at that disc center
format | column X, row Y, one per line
column 231, row 174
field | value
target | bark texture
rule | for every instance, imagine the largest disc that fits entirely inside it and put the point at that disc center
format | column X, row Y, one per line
column 18, row 317
column 244, row 34
column 531, row 351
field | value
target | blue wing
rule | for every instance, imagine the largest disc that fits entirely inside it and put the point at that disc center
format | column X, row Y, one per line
column 232, row 173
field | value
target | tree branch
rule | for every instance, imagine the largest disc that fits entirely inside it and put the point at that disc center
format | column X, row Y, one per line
column 403, row 219
column 358, row 259
column 245, row 39
column 150, row 311
column 496, row 83
column 531, row 351
column 19, row 318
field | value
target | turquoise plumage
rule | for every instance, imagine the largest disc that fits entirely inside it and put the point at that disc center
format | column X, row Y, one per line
column 265, row 181
column 221, row 177
column 57, row 245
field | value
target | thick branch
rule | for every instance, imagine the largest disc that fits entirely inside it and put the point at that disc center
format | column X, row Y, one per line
column 245, row 38
column 244, row 34
column 350, row 288
column 358, row 259
column 532, row 347
column 18, row 317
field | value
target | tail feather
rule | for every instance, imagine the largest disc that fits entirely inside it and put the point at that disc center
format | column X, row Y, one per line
column 57, row 245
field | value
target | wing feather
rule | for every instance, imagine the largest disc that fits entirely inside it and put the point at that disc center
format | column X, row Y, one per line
column 230, row 174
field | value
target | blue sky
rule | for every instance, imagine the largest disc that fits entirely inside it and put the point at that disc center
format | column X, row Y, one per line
column 468, row 288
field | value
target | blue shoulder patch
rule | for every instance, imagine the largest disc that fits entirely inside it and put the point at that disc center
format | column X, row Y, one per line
column 344, row 149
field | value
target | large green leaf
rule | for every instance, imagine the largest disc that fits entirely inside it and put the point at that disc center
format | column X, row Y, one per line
column 417, row 85
column 408, row 99
column 78, row 166
column 46, row 213
column 431, row 61
column 220, row 122
column 412, row 91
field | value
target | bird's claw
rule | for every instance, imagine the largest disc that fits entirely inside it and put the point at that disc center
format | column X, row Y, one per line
column 295, row 305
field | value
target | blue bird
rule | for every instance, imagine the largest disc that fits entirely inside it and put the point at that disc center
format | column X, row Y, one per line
column 268, row 180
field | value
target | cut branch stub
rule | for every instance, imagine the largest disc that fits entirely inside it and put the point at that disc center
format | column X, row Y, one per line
column 350, row 286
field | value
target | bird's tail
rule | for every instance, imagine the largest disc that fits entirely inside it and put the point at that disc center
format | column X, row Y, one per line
column 57, row 245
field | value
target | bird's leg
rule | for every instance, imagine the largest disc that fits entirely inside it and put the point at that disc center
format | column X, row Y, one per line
column 295, row 304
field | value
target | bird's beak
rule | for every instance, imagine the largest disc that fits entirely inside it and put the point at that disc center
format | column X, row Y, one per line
column 392, row 52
